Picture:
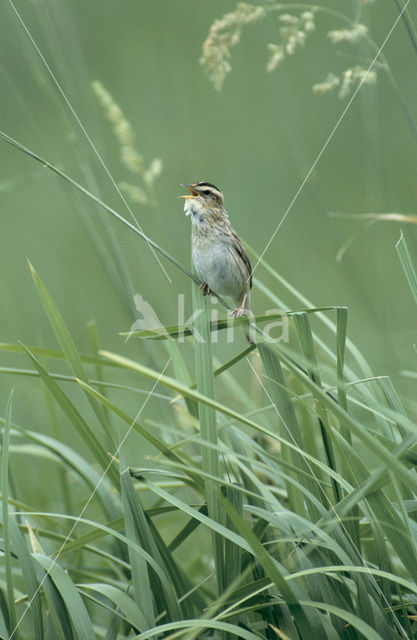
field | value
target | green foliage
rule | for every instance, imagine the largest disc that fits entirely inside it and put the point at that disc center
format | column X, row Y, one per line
column 293, row 556
column 194, row 489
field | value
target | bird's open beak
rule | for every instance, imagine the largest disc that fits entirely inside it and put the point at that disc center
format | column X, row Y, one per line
column 194, row 193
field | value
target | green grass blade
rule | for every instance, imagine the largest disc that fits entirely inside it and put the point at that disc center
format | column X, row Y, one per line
column 395, row 404
column 75, row 608
column 4, row 617
column 181, row 583
column 53, row 353
column 58, row 325
column 95, row 347
column 158, row 444
column 246, row 540
column 232, row 553
column 236, row 416
column 184, row 330
column 201, row 626
column 232, row 568
column 78, row 422
column 407, row 265
column 186, row 531
column 64, row 378
column 5, row 516
column 162, row 593
column 181, row 372
column 71, row 460
column 59, row 624
column 375, row 506
column 180, row 388
column 341, row 333
column 305, row 301
column 121, row 601
column 305, row 336
column 363, row 628
column 357, row 428
column 139, row 568
column 68, row 346
column 208, row 427
column 290, row 426
column 106, row 530
column 305, row 623
column 27, row 565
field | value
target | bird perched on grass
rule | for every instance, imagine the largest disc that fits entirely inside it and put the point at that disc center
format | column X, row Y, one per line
column 219, row 257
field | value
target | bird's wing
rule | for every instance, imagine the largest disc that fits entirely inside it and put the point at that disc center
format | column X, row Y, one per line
column 244, row 255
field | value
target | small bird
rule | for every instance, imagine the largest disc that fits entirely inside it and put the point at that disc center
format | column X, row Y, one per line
column 219, row 257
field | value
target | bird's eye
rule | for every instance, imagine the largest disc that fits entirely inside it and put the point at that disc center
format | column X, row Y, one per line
column 207, row 192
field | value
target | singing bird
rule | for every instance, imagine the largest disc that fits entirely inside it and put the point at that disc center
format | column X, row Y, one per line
column 219, row 257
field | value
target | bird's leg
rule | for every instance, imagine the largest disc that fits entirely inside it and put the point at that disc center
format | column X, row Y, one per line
column 238, row 313
column 205, row 288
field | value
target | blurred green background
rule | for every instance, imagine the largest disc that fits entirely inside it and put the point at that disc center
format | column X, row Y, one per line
column 256, row 139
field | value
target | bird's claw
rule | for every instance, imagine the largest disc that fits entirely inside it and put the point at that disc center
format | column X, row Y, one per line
column 237, row 313
column 205, row 288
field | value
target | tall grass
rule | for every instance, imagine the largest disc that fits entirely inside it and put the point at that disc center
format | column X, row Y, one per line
column 297, row 535
column 289, row 513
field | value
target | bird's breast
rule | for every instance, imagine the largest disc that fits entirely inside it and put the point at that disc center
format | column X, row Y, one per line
column 216, row 264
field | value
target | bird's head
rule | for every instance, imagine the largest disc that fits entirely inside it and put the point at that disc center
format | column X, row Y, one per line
column 203, row 196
